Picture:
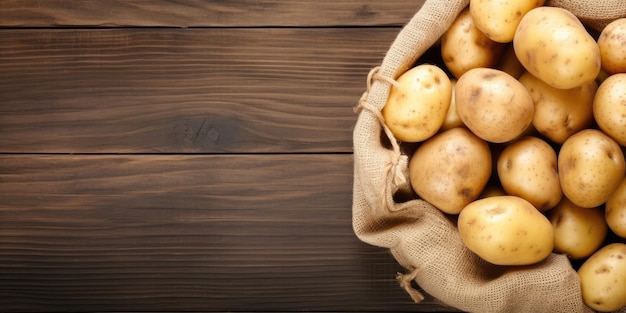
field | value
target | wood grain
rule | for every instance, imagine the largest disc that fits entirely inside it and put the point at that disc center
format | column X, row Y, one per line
column 187, row 233
column 176, row 90
column 205, row 13
column 188, row 156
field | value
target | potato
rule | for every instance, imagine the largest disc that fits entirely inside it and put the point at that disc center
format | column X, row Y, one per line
column 492, row 190
column 450, row 169
column 493, row 105
column 464, row 47
column 417, row 106
column 615, row 210
column 603, row 278
column 591, row 166
column 510, row 64
column 559, row 113
column 578, row 232
column 553, row 45
column 506, row 230
column 602, row 76
column 609, row 107
column 499, row 19
column 452, row 118
column 527, row 168
column 612, row 45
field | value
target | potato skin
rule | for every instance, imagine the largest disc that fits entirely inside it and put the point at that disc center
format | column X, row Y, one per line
column 416, row 108
column 527, row 168
column 510, row 64
column 499, row 19
column 615, row 210
column 493, row 105
column 612, row 45
column 492, row 190
column 464, row 47
column 591, row 166
column 609, row 107
column 450, row 169
column 506, row 230
column 560, row 113
column 452, row 118
column 603, row 278
column 553, row 45
column 578, row 232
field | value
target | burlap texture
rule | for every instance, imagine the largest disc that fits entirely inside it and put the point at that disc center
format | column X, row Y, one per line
column 422, row 239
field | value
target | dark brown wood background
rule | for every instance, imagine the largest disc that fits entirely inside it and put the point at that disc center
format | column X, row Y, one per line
column 190, row 155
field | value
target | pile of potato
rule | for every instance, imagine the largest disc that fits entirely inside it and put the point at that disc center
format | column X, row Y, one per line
column 520, row 133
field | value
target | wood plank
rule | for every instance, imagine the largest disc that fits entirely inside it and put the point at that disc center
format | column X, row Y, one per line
column 184, row 90
column 205, row 13
column 187, row 233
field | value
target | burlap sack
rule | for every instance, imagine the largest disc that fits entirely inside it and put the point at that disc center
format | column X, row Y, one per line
column 422, row 239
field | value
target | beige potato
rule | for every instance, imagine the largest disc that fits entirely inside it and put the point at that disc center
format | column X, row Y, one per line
column 559, row 113
column 591, row 166
column 506, row 230
column 510, row 64
column 492, row 190
column 452, row 118
column 450, row 169
column 578, row 232
column 615, row 210
column 499, row 19
column 529, row 131
column 417, row 106
column 603, row 278
column 609, row 107
column 493, row 105
column 602, row 76
column 527, row 168
column 464, row 47
column 553, row 45
column 612, row 45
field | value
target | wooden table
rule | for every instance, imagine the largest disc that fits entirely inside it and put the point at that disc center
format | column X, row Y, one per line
column 191, row 155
